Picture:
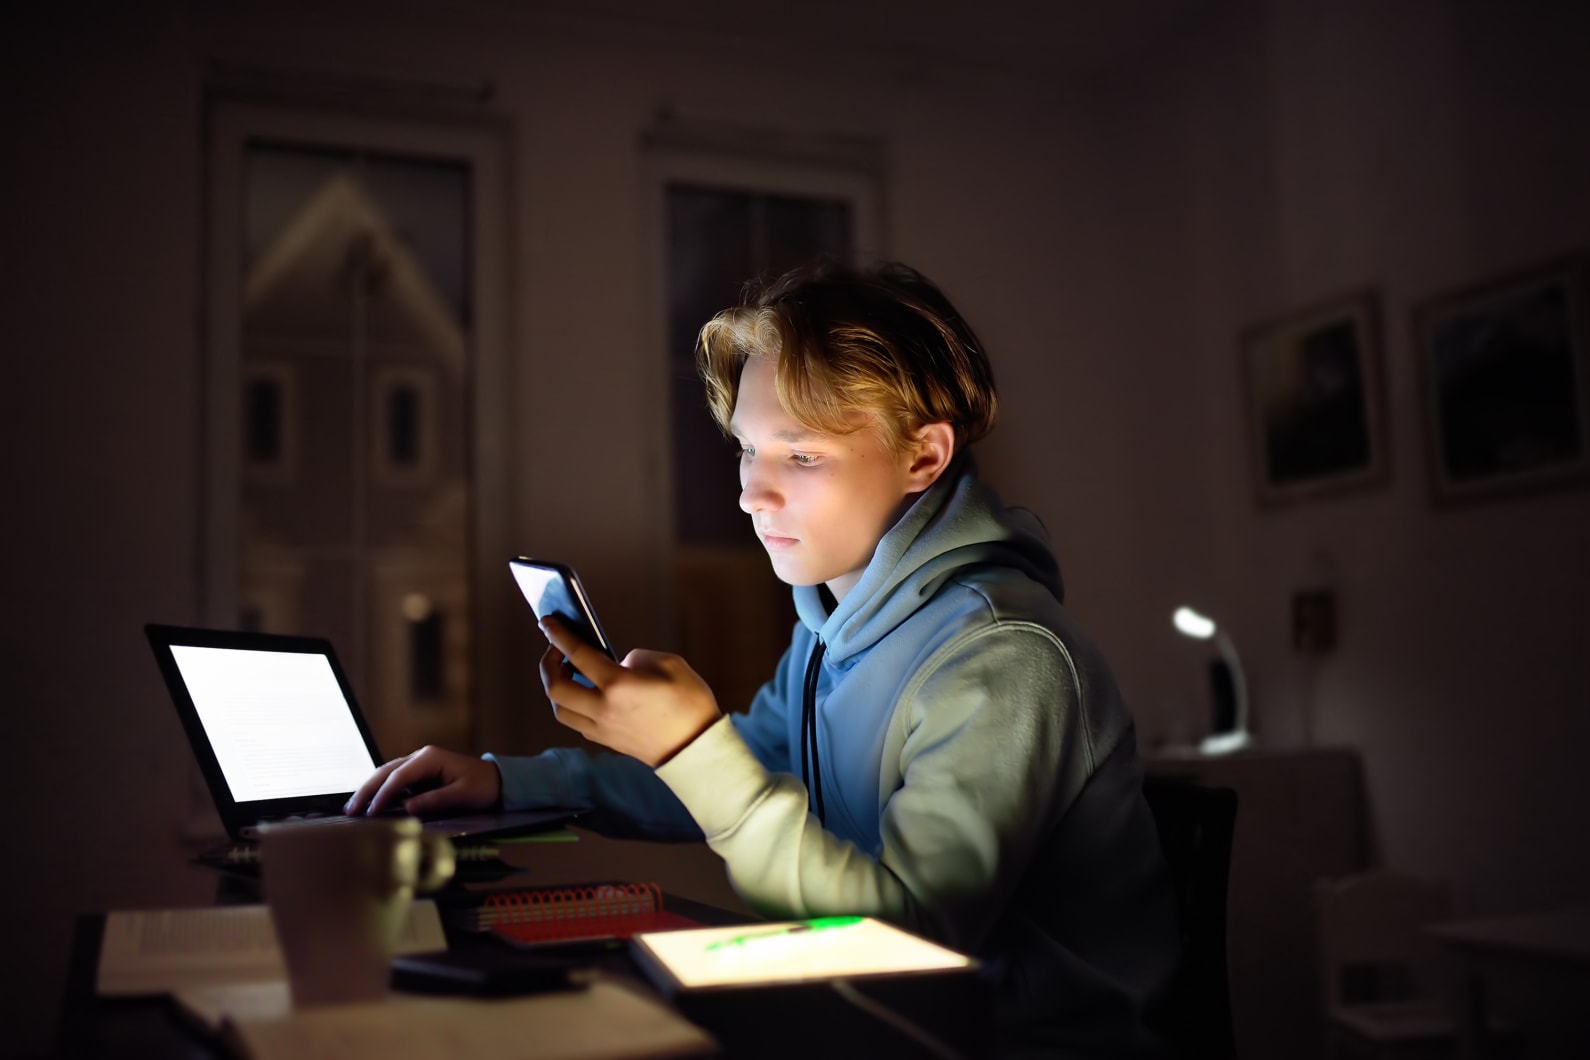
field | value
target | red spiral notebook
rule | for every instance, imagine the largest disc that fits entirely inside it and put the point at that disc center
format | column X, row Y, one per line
column 575, row 913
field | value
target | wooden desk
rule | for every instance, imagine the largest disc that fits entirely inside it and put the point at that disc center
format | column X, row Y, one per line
column 690, row 874
column 1540, row 965
column 112, row 1028
column 148, row 1027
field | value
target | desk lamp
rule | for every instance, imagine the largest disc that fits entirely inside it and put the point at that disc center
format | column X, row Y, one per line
column 1190, row 623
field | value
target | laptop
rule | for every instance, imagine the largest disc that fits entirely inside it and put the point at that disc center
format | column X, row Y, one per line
column 278, row 735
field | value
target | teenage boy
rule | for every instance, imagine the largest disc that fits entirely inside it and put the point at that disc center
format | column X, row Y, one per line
column 940, row 746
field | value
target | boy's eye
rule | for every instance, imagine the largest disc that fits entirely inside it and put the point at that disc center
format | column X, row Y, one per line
column 747, row 452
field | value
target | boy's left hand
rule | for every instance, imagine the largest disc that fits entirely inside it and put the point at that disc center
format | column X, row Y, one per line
column 649, row 706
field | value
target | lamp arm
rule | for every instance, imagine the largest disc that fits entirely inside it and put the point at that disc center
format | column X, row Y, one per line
column 1239, row 683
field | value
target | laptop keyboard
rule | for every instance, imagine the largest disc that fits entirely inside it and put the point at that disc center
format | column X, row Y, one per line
column 330, row 818
column 326, row 818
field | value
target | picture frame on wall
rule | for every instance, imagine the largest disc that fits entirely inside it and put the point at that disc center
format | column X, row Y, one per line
column 1503, row 368
column 1316, row 401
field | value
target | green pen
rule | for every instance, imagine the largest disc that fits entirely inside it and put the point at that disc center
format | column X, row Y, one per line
column 822, row 923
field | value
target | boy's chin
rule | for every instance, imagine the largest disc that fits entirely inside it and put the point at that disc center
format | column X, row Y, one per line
column 794, row 575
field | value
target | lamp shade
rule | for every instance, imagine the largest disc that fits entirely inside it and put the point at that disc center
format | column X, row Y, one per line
column 1192, row 624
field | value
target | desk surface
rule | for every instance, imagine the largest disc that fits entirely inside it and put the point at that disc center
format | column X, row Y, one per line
column 1533, row 968
column 92, row 1026
column 149, row 1027
column 691, row 876
column 1561, row 935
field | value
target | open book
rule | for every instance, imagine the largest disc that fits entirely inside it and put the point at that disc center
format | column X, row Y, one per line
column 160, row 951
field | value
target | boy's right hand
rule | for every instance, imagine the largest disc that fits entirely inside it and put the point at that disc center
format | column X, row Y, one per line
column 446, row 781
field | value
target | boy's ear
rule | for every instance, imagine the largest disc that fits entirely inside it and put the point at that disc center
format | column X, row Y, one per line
column 931, row 452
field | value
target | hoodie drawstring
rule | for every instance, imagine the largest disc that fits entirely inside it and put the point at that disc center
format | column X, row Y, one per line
column 812, row 775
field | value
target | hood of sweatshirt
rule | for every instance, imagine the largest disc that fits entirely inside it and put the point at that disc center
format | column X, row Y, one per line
column 956, row 524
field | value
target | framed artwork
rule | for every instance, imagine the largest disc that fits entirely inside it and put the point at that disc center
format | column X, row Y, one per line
column 1316, row 401
column 1503, row 368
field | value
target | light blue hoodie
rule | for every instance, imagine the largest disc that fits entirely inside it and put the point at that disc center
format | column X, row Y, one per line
column 978, row 771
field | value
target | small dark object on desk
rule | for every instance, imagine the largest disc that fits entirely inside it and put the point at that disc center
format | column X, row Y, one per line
column 482, row 971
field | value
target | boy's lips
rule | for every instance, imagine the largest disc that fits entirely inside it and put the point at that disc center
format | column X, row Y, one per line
column 775, row 542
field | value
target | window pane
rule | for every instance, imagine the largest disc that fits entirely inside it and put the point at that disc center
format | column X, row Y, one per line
column 425, row 657
column 263, row 421
column 403, row 426
column 718, row 239
column 707, row 484
column 800, row 230
column 709, row 259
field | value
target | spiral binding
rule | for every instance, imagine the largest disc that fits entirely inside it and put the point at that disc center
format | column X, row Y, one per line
column 555, row 913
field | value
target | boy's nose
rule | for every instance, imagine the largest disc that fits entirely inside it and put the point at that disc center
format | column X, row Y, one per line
column 756, row 495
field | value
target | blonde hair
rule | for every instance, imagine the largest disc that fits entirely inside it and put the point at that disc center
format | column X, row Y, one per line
column 883, row 342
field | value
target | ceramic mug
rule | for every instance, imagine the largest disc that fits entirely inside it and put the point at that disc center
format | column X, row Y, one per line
column 338, row 895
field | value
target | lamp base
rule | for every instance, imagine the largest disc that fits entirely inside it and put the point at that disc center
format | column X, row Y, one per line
column 1223, row 743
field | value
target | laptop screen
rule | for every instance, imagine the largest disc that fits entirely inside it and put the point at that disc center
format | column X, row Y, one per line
column 277, row 721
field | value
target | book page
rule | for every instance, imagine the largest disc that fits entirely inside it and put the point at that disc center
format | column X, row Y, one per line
column 607, row 1019
column 158, row 951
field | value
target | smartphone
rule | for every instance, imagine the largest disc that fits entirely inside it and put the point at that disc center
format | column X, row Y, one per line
column 482, row 971
column 554, row 589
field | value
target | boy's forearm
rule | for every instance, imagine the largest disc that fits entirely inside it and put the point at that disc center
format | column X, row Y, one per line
column 609, row 786
column 779, row 858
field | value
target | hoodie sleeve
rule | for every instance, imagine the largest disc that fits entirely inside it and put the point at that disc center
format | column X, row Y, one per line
column 623, row 794
column 991, row 747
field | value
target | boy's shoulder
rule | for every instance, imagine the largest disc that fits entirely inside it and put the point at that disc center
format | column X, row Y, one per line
column 986, row 600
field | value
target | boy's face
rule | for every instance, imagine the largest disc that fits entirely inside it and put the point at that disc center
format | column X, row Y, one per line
column 819, row 502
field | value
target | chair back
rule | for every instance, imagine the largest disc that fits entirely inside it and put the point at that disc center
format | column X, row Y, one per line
column 1196, row 825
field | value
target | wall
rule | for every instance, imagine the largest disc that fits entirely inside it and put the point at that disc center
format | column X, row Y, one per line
column 1109, row 237
column 99, row 533
column 1273, row 156
column 1418, row 147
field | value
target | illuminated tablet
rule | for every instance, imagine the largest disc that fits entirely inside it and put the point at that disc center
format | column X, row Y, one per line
column 791, row 951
